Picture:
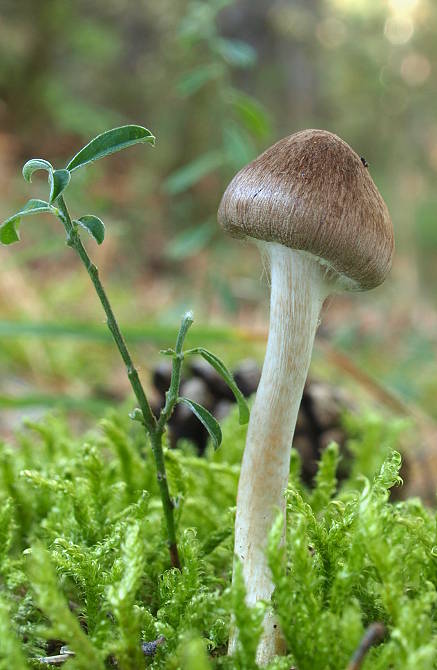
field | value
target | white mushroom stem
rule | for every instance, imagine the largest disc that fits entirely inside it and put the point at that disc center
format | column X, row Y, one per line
column 298, row 289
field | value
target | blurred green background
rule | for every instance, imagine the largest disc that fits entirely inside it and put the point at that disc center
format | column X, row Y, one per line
column 216, row 81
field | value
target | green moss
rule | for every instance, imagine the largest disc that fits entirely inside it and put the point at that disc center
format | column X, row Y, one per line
column 84, row 562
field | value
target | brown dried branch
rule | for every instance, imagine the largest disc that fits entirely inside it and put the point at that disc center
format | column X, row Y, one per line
column 374, row 634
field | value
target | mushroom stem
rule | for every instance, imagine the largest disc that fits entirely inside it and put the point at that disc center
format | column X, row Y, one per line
column 298, row 289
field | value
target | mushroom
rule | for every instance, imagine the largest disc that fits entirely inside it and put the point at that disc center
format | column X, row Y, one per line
column 322, row 227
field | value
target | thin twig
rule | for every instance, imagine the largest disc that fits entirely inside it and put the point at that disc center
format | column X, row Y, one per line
column 344, row 363
column 59, row 659
column 375, row 388
column 150, row 423
column 422, row 464
column 374, row 634
column 171, row 397
column 64, row 654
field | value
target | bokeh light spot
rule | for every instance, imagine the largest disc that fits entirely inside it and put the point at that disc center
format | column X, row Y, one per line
column 331, row 33
column 403, row 6
column 415, row 69
column 399, row 29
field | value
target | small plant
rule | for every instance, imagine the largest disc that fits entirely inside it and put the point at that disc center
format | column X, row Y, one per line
column 103, row 145
column 81, row 541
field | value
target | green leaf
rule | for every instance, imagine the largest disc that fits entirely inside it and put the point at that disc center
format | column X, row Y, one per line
column 58, row 180
column 33, row 165
column 171, row 353
column 251, row 113
column 206, row 418
column 9, row 231
column 239, row 147
column 93, row 225
column 136, row 415
column 194, row 656
column 190, row 174
column 190, row 241
column 224, row 291
column 193, row 81
column 109, row 142
column 9, row 228
column 235, row 52
column 226, row 375
column 35, row 206
column 58, row 401
column 186, row 323
column 156, row 332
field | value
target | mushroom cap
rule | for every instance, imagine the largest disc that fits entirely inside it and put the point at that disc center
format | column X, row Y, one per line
column 310, row 191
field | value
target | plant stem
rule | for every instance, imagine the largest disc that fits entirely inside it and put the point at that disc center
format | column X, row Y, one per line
column 374, row 634
column 167, row 502
column 171, row 397
column 154, row 429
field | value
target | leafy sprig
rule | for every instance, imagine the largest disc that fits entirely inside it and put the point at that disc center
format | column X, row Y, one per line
column 101, row 146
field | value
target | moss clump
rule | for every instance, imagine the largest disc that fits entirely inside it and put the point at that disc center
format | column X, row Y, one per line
column 84, row 562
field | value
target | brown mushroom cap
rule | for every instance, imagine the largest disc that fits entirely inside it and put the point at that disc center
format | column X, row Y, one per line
column 311, row 191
